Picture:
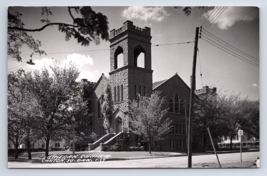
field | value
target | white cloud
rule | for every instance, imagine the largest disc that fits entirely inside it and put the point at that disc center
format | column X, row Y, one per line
column 231, row 15
column 145, row 13
column 79, row 60
column 90, row 76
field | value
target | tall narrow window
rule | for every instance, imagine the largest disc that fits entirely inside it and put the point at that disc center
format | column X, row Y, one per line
column 171, row 144
column 139, row 57
column 180, row 126
column 184, row 129
column 182, row 106
column 121, row 92
column 135, row 92
column 118, row 58
column 99, row 108
column 115, row 94
column 144, row 91
column 179, row 144
column 170, row 105
column 140, row 90
column 176, row 102
column 118, row 94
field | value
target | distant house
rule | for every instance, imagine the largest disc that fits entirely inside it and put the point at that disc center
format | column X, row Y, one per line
column 247, row 141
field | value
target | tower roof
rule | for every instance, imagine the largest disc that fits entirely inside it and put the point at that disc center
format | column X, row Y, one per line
column 128, row 26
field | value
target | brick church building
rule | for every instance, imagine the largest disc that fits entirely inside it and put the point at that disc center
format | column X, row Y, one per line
column 129, row 80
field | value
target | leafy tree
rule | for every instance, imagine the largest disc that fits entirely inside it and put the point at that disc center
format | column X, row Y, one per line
column 107, row 108
column 232, row 116
column 239, row 114
column 250, row 121
column 87, row 27
column 147, row 118
column 22, row 109
column 55, row 94
column 208, row 112
column 225, row 115
column 76, row 107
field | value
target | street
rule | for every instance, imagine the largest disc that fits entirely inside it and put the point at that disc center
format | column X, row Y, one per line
column 169, row 162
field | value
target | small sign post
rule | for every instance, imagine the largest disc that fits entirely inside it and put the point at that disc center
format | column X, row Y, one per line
column 240, row 133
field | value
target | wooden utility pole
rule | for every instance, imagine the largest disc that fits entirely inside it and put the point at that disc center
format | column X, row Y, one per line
column 214, row 149
column 193, row 86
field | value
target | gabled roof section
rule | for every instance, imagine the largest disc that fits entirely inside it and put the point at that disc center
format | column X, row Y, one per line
column 160, row 83
column 99, row 80
column 119, row 109
column 156, row 84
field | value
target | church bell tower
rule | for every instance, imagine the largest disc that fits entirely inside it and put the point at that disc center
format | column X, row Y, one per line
column 130, row 79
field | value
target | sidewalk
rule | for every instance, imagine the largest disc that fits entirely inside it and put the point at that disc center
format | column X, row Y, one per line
column 39, row 156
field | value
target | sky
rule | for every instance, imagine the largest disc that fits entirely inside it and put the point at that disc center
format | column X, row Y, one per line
column 238, row 27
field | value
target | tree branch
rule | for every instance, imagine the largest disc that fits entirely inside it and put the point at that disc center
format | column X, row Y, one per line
column 40, row 29
column 70, row 13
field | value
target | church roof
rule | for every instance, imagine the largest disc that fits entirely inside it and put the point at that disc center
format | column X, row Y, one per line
column 156, row 84
column 160, row 83
column 97, row 83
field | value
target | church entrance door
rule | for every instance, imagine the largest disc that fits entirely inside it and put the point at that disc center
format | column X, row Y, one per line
column 118, row 125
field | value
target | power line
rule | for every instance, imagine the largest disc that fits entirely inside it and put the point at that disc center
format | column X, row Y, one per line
column 229, row 45
column 109, row 49
column 232, row 51
column 73, row 51
column 213, row 16
column 218, row 45
column 233, row 54
column 173, row 43
column 18, row 66
column 206, row 22
column 218, row 15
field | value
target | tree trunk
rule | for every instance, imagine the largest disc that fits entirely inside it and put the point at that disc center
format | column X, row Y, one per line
column 47, row 146
column 29, row 149
column 203, row 142
column 16, row 151
column 231, row 143
column 149, row 147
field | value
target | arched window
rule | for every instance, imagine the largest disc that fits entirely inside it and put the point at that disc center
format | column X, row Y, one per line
column 139, row 57
column 121, row 92
column 99, row 109
column 182, row 106
column 115, row 94
column 170, row 105
column 118, row 94
column 176, row 104
column 118, row 58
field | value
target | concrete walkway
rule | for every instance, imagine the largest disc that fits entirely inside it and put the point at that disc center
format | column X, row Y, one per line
column 166, row 162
